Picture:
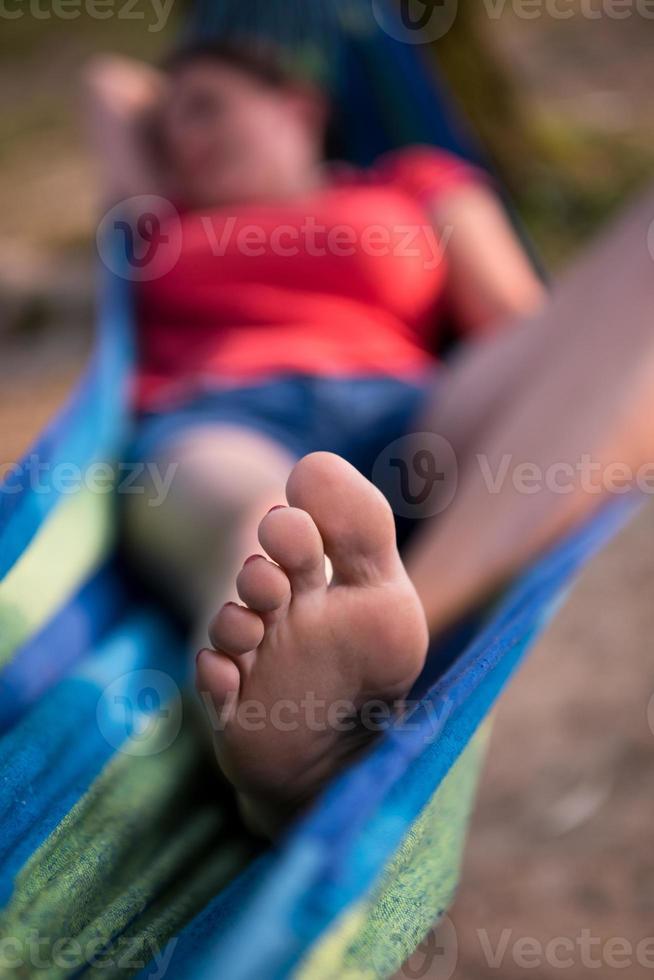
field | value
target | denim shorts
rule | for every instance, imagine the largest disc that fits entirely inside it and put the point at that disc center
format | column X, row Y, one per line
column 355, row 418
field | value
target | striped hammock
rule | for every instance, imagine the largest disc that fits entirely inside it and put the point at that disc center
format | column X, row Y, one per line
column 117, row 854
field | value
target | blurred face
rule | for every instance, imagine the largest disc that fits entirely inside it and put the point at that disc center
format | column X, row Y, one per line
column 230, row 137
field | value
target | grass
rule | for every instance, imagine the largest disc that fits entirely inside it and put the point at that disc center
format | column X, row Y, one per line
column 583, row 177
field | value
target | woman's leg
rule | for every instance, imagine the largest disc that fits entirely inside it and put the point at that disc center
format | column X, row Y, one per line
column 571, row 392
column 579, row 380
column 296, row 662
column 191, row 544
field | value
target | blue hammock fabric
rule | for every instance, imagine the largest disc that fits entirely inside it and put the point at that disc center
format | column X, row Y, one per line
column 114, row 835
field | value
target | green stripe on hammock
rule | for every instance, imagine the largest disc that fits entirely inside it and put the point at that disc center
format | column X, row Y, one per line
column 376, row 937
column 70, row 546
column 118, row 877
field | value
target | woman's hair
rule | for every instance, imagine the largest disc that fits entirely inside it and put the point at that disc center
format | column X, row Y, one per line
column 269, row 64
column 262, row 60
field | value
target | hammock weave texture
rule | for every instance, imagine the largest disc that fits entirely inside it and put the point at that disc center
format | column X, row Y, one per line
column 115, row 853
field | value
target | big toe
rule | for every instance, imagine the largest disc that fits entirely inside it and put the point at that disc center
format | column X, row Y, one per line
column 354, row 519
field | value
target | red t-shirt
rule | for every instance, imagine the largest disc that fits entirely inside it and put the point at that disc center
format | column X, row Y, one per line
column 346, row 281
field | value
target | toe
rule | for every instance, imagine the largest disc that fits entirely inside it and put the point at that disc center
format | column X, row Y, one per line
column 217, row 677
column 236, row 630
column 354, row 519
column 263, row 586
column 292, row 539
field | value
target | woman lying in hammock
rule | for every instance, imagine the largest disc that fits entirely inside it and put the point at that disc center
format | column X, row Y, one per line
column 290, row 318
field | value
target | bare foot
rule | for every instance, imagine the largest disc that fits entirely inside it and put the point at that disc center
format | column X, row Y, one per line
column 304, row 673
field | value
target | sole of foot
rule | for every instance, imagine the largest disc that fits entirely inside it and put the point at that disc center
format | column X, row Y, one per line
column 305, row 673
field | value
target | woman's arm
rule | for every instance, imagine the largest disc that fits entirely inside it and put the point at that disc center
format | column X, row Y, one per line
column 122, row 103
column 490, row 279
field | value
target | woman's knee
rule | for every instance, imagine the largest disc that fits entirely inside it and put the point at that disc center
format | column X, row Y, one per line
column 217, row 485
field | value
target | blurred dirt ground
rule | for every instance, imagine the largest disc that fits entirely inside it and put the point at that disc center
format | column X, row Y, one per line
column 561, row 842
column 561, row 845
